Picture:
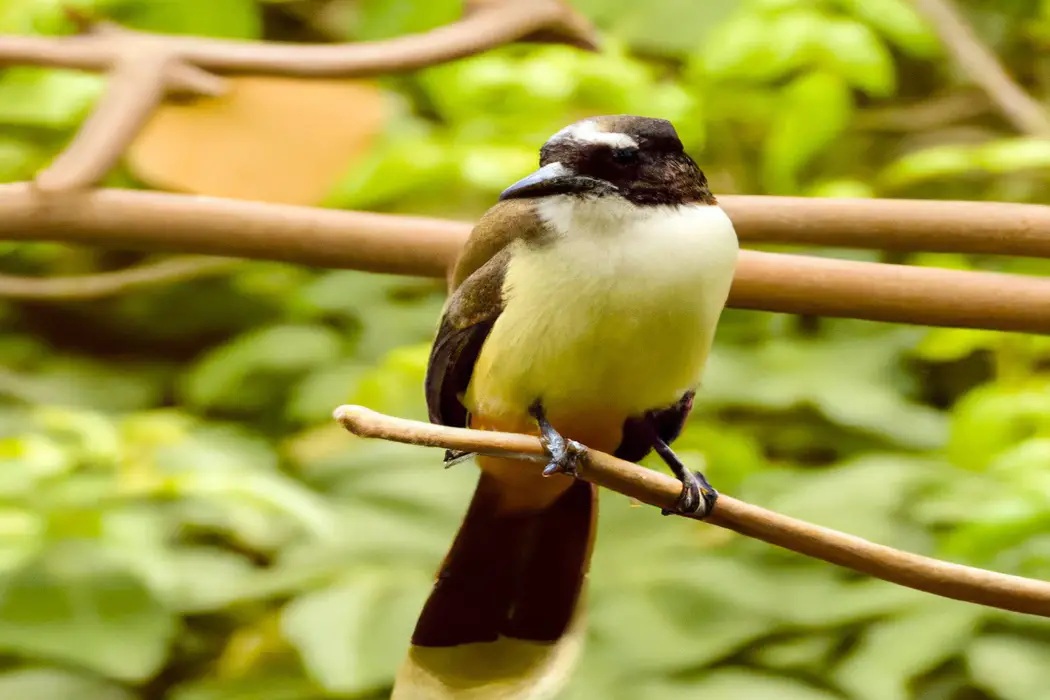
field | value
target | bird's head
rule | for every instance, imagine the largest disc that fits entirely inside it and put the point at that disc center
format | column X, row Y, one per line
column 638, row 159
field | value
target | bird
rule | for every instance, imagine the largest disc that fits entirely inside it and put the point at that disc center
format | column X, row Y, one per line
column 582, row 309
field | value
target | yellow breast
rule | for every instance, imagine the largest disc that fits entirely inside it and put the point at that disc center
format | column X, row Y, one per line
column 614, row 318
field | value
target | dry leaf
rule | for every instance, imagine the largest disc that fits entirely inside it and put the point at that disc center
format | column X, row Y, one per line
column 281, row 140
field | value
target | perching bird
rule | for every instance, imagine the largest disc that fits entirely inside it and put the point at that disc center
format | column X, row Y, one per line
column 583, row 307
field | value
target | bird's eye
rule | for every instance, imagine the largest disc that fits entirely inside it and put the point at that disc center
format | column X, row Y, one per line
column 625, row 155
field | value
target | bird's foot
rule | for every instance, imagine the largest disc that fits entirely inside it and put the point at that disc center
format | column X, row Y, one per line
column 566, row 455
column 698, row 496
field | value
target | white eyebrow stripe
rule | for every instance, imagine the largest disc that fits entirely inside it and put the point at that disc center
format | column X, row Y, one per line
column 588, row 132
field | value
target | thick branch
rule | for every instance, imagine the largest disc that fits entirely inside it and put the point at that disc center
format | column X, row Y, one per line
column 421, row 246
column 81, row 287
column 979, row 63
column 912, row 570
column 993, row 228
column 492, row 25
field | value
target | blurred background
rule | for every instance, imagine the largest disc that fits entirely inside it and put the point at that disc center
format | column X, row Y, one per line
column 181, row 520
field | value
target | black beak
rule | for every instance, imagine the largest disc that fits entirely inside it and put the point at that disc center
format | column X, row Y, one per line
column 555, row 178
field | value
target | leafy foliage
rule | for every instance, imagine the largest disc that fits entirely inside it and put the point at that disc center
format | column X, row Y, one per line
column 179, row 520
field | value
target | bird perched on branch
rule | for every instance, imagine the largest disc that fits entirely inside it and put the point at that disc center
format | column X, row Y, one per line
column 582, row 308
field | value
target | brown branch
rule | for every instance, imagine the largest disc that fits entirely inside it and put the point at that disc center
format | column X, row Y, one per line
column 979, row 63
column 308, row 234
column 82, row 287
column 492, row 24
column 992, row 228
column 144, row 67
column 925, row 115
column 773, row 282
column 136, row 87
column 648, row 486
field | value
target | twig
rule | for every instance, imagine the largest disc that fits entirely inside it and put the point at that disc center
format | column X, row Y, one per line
column 493, row 24
column 925, row 115
column 773, row 282
column 912, row 570
column 82, row 287
column 983, row 68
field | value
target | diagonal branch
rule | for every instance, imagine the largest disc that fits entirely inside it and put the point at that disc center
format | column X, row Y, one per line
column 144, row 67
column 136, row 87
column 982, row 67
column 912, row 570
column 774, row 282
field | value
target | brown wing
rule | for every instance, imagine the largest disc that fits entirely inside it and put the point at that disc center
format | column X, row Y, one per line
column 476, row 285
column 465, row 325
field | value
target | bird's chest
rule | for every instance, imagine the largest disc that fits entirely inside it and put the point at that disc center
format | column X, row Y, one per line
column 616, row 318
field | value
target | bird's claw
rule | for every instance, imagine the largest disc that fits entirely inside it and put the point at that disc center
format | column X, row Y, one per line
column 698, row 497
column 565, row 455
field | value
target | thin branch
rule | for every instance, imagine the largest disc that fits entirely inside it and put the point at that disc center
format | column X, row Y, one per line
column 136, row 87
column 773, row 282
column 922, row 573
column 144, row 67
column 925, row 115
column 105, row 284
column 492, row 24
column 979, row 63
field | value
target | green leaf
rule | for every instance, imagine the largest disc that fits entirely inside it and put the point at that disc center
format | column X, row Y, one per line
column 993, row 418
column 75, row 606
column 385, row 19
column 29, row 459
column 230, row 19
column 351, row 637
column 195, row 580
column 663, row 28
column 930, row 164
column 673, row 642
column 847, row 189
column 265, row 687
column 752, row 47
column 393, row 386
column 951, row 344
column 82, row 382
column 864, row 497
column 55, row 684
column 41, row 16
column 787, row 373
column 19, row 160
column 898, row 21
column 1012, row 155
column 814, row 110
column 394, row 169
column 809, row 597
column 736, row 684
column 858, row 55
column 1010, row 667
column 894, row 652
column 223, row 377
column 318, row 393
column 808, row 653
column 45, row 97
